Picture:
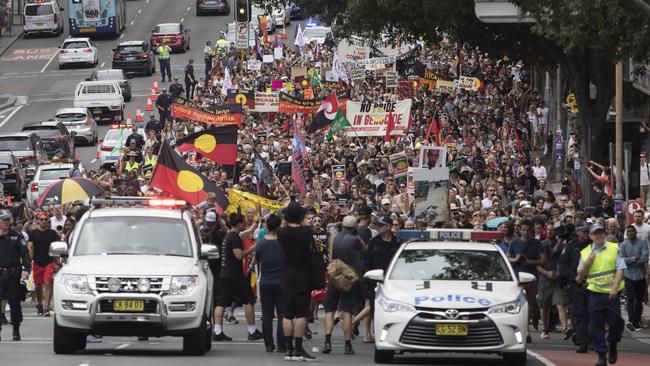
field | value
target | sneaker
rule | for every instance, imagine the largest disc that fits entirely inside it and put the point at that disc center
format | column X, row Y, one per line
column 630, row 327
column 349, row 350
column 221, row 337
column 39, row 309
column 568, row 333
column 289, row 355
column 46, row 313
column 231, row 320
column 302, row 355
column 544, row 335
column 257, row 335
column 270, row 348
column 327, row 348
column 637, row 327
column 308, row 333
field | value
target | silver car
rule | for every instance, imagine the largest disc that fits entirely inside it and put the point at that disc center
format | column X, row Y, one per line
column 46, row 175
column 81, row 121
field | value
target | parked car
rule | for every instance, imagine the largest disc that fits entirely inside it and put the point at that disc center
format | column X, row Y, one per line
column 221, row 7
column 42, row 17
column 46, row 175
column 114, row 74
column 27, row 147
column 54, row 136
column 78, row 51
column 12, row 175
column 103, row 98
column 134, row 56
column 80, row 121
column 173, row 35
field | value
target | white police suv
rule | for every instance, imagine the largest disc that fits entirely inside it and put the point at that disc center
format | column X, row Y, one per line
column 450, row 291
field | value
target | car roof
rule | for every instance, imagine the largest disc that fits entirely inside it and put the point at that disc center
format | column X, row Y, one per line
column 138, row 212
column 51, row 166
column 451, row 245
column 131, row 43
column 17, row 134
column 76, row 39
column 41, row 124
column 165, row 24
column 72, row 110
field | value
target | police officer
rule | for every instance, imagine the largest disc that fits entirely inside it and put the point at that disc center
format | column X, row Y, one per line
column 163, row 104
column 176, row 89
column 153, row 124
column 15, row 265
column 208, row 55
column 222, row 46
column 602, row 266
column 164, row 52
column 190, row 80
column 567, row 271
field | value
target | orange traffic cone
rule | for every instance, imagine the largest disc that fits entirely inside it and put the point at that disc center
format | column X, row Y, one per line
column 155, row 85
column 97, row 154
column 128, row 119
column 153, row 96
column 149, row 107
column 284, row 31
column 138, row 113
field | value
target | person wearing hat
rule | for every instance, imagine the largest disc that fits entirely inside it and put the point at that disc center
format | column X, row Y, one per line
column 75, row 172
column 346, row 247
column 190, row 80
column 15, row 265
column 131, row 164
column 163, row 104
column 176, row 89
column 602, row 267
column 296, row 241
column 153, row 124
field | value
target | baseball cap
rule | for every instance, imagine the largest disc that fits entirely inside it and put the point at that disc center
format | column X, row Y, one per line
column 6, row 215
column 596, row 227
column 385, row 201
column 211, row 216
column 349, row 221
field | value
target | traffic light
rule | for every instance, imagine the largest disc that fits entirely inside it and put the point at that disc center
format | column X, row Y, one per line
column 243, row 13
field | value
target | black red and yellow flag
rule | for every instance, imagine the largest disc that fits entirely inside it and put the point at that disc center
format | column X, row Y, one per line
column 218, row 144
column 174, row 176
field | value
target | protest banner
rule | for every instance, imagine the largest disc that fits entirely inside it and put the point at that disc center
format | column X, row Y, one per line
column 353, row 49
column 468, row 83
column 244, row 200
column 391, row 79
column 399, row 164
column 431, row 187
column 445, row 86
column 215, row 115
column 243, row 97
column 289, row 104
column 266, row 102
column 371, row 119
column 338, row 172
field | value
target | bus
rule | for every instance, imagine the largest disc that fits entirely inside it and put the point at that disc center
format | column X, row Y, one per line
column 96, row 17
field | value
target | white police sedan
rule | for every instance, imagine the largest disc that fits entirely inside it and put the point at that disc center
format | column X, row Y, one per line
column 446, row 291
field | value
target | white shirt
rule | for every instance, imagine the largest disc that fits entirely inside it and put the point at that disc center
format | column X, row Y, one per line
column 543, row 115
column 643, row 175
column 642, row 231
column 54, row 222
column 486, row 203
column 539, row 172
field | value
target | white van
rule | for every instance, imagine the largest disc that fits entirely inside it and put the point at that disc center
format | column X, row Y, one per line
column 42, row 17
column 104, row 99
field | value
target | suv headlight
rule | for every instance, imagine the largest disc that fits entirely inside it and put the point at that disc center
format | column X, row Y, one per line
column 76, row 284
column 183, row 285
column 391, row 306
column 513, row 307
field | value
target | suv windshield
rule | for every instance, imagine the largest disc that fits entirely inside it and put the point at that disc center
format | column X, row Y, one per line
column 14, row 143
column 134, row 235
column 31, row 10
column 450, row 265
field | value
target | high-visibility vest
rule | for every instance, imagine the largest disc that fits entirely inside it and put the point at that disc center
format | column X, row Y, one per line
column 209, row 52
column 222, row 45
column 129, row 167
column 602, row 272
column 163, row 52
column 150, row 160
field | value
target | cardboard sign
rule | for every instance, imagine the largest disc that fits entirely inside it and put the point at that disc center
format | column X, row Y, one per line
column 278, row 53
column 445, row 86
column 468, row 83
column 391, row 79
column 431, row 195
column 399, row 164
column 338, row 172
column 298, row 71
column 267, row 59
column 254, row 65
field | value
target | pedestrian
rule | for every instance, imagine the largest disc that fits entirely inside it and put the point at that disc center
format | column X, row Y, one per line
column 190, row 80
column 153, row 124
column 15, row 265
column 164, row 53
column 163, row 103
column 642, row 228
column 601, row 267
column 269, row 256
column 296, row 241
column 644, row 178
column 75, row 172
column 635, row 254
column 551, row 293
column 208, row 56
column 346, row 247
column 40, row 239
column 176, row 89
column 234, row 287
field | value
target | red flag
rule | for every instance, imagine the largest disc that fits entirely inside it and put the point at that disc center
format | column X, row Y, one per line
column 389, row 127
column 433, row 127
column 521, row 149
column 298, row 172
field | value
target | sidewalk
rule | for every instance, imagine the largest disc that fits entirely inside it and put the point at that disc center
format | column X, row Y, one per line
column 7, row 41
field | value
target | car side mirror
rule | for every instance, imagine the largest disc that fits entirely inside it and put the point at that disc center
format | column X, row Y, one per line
column 375, row 275
column 209, row 251
column 58, row 249
column 526, row 278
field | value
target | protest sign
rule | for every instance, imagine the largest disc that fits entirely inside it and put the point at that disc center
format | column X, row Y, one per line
column 445, row 86
column 254, row 65
column 267, row 59
column 410, row 187
column 298, row 71
column 391, row 79
column 244, row 97
column 468, row 83
column 431, row 195
column 371, row 119
column 399, row 164
column 338, row 172
column 277, row 53
column 353, row 49
column 216, row 115
column 433, row 157
column 276, row 84
column 266, row 102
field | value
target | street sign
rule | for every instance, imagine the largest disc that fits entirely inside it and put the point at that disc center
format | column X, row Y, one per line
column 241, row 34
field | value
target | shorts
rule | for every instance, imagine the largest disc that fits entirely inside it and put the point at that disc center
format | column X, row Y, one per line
column 296, row 304
column 337, row 299
column 42, row 273
column 236, row 290
column 551, row 295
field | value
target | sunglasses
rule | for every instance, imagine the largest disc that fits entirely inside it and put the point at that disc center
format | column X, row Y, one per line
column 41, row 219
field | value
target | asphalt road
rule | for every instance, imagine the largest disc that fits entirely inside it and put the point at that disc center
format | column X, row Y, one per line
column 42, row 88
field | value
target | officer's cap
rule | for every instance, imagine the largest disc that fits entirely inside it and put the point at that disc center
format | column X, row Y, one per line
column 6, row 215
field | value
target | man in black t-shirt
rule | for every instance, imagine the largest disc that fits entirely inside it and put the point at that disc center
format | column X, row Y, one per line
column 234, row 286
column 43, row 265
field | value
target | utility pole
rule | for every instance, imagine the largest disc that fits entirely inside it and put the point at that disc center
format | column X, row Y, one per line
column 618, row 197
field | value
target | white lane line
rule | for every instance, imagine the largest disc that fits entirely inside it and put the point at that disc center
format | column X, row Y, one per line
column 123, row 346
column 102, row 65
column 8, row 118
column 132, row 22
column 541, row 358
column 93, row 161
column 188, row 8
column 84, row 364
column 182, row 19
column 146, row 2
column 139, row 11
column 50, row 61
column 123, row 34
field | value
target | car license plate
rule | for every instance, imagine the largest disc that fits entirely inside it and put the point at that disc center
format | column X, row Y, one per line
column 167, row 40
column 97, row 111
column 87, row 30
column 112, row 158
column 128, row 305
column 130, row 58
column 39, row 24
column 451, row 329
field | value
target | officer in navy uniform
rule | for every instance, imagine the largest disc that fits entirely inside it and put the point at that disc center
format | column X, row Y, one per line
column 15, row 265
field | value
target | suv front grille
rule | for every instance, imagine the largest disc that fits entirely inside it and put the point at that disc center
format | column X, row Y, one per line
column 150, row 307
column 421, row 331
column 130, row 284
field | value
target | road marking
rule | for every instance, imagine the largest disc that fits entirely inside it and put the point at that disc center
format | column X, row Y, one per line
column 123, row 34
column 188, row 8
column 123, row 346
column 102, row 65
column 11, row 115
column 84, row 364
column 139, row 11
column 541, row 358
column 182, row 19
column 132, row 22
column 93, row 161
column 51, row 59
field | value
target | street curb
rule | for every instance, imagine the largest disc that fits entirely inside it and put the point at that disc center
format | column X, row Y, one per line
column 11, row 43
column 10, row 102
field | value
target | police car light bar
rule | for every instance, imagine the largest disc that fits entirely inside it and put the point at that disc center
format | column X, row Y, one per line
column 137, row 201
column 450, row 235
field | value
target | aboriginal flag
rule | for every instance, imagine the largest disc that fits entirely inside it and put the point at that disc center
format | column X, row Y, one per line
column 218, row 144
column 174, row 176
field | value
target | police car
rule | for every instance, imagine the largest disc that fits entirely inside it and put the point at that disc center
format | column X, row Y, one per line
column 112, row 145
column 450, row 291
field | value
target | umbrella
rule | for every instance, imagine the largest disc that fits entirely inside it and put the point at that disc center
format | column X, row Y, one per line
column 494, row 223
column 69, row 190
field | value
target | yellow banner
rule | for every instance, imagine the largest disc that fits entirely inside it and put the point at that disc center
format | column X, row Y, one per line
column 245, row 200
